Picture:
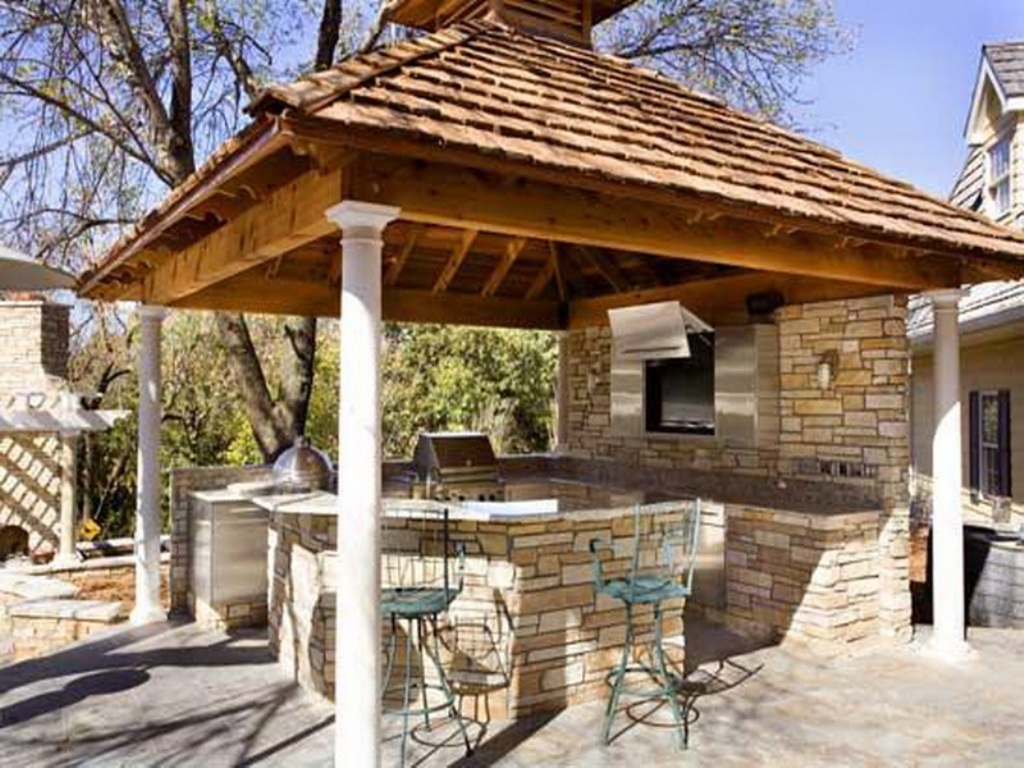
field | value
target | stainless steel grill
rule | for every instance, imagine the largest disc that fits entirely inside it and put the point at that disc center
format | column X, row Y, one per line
column 456, row 466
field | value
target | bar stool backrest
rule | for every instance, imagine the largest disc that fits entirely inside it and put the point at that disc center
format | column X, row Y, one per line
column 665, row 538
column 417, row 551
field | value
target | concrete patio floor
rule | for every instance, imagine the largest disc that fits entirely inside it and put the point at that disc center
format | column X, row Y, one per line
column 172, row 695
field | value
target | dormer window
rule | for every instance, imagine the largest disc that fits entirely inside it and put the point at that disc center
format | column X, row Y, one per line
column 999, row 176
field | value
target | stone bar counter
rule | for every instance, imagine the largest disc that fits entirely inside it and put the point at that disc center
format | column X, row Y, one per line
column 527, row 633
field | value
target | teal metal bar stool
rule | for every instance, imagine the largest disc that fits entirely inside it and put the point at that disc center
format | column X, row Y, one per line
column 660, row 568
column 422, row 581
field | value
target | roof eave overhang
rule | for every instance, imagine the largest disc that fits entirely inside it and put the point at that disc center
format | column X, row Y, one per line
column 361, row 138
column 265, row 138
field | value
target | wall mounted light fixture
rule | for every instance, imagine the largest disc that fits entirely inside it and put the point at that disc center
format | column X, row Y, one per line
column 827, row 365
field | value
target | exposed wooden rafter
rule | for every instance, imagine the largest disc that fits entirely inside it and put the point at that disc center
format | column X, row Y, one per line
column 606, row 269
column 458, row 256
column 541, row 281
column 395, row 268
column 559, row 280
column 512, row 251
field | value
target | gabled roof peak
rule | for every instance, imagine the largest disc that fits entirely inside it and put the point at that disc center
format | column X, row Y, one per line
column 998, row 89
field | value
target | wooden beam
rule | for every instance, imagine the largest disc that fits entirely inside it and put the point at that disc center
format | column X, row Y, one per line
column 395, row 268
column 721, row 299
column 559, row 280
column 606, row 269
column 450, row 196
column 458, row 256
column 288, row 218
column 697, row 205
column 512, row 251
column 541, row 281
column 254, row 292
column 569, row 271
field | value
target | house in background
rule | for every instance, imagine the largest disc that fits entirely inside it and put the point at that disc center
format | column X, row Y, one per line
column 991, row 314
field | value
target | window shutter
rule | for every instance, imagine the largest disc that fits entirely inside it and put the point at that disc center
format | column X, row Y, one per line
column 974, row 441
column 1005, row 485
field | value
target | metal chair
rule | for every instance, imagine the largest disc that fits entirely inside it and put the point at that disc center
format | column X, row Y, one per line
column 421, row 581
column 664, row 551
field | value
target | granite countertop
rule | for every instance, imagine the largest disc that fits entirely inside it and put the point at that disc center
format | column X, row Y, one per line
column 619, row 502
column 534, row 511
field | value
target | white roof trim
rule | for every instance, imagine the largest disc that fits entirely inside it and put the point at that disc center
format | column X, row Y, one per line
column 58, row 420
column 987, row 75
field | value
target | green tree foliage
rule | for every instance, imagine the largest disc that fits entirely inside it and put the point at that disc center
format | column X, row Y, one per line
column 449, row 378
column 435, row 378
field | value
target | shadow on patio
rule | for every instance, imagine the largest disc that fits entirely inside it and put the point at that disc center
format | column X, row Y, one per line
column 173, row 695
column 164, row 694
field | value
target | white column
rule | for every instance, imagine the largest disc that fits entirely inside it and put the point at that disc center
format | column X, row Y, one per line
column 147, row 505
column 949, row 638
column 68, row 467
column 562, row 395
column 357, row 637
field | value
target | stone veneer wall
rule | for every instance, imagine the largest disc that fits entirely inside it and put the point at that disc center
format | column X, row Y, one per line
column 526, row 635
column 853, row 434
column 809, row 579
column 34, row 338
column 185, row 481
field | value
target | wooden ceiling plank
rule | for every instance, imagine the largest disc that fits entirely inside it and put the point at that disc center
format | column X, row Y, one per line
column 512, row 251
column 458, row 256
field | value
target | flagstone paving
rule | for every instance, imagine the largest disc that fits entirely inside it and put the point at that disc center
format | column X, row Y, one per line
column 173, row 695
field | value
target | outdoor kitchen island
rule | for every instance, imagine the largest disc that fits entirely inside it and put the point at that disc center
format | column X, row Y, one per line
column 527, row 633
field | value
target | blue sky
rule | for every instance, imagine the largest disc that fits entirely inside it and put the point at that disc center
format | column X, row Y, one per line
column 898, row 102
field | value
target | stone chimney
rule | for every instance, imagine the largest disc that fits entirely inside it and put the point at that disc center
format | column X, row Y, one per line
column 33, row 348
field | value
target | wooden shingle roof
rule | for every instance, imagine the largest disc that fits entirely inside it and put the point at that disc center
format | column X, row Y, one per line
column 485, row 90
column 490, row 89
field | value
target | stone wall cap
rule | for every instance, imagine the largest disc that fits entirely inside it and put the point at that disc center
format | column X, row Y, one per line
column 79, row 610
column 32, row 587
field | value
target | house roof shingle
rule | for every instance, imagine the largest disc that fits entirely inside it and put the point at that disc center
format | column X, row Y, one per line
column 488, row 89
column 1007, row 62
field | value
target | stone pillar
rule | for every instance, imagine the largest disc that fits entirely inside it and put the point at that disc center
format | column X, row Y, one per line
column 357, row 636
column 68, row 471
column 562, row 390
column 949, row 638
column 147, row 506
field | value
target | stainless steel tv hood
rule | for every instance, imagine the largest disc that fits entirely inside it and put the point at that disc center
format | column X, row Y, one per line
column 654, row 331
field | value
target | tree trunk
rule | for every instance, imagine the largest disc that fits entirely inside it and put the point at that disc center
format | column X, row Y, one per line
column 275, row 423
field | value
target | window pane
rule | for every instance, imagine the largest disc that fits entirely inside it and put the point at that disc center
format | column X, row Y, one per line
column 990, row 420
column 990, row 479
column 999, row 159
column 1001, row 196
